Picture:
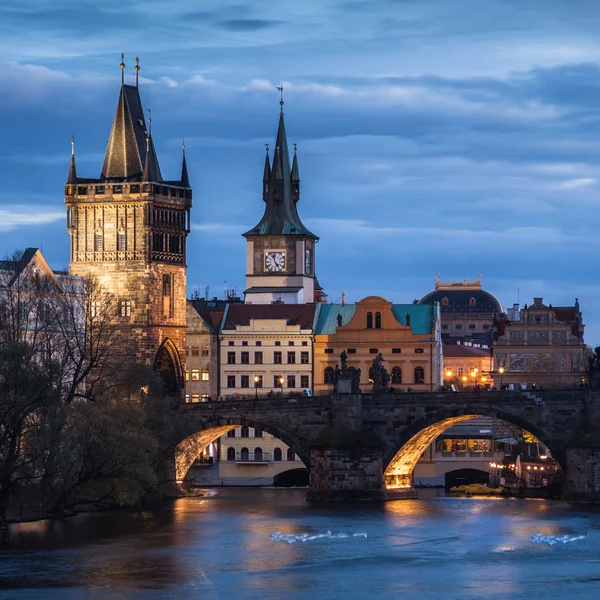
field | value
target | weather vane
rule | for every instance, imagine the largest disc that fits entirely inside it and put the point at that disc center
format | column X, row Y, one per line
column 280, row 90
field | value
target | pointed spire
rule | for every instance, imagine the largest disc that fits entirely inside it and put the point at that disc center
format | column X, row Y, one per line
column 295, row 177
column 72, row 178
column 266, row 174
column 147, row 176
column 137, row 71
column 185, row 180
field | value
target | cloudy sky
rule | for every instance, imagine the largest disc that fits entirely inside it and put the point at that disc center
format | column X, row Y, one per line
column 434, row 137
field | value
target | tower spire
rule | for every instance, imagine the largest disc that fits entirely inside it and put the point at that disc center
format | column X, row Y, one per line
column 137, row 70
column 295, row 177
column 281, row 103
column 147, row 175
column 185, row 180
column 72, row 178
column 122, row 65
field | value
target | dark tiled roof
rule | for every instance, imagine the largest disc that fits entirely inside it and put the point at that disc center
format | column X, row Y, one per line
column 295, row 314
column 459, row 301
column 460, row 351
column 565, row 313
column 212, row 318
column 271, row 290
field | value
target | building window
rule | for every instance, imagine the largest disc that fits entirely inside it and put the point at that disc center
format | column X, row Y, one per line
column 290, row 343
column 444, row 327
column 458, row 326
column 460, row 371
column 167, row 289
column 377, row 320
column 244, row 343
column 486, row 326
column 351, row 350
column 99, row 242
column 258, row 453
column 445, row 301
column 187, row 375
column 95, row 309
column 328, row 375
column 303, row 358
column 245, row 358
column 230, row 381
column 291, row 456
column 195, row 397
column 418, row 350
column 304, row 383
column 305, row 343
column 230, row 453
column 472, row 326
column 195, row 374
column 244, row 455
column 245, row 432
column 245, row 381
column 328, row 350
column 396, row 350
column 187, row 398
column 277, row 381
column 277, row 343
column 205, row 351
column 231, row 434
column 231, row 358
column 369, row 320
column 195, row 351
column 396, row 375
column 258, row 358
column 291, row 381
column 125, row 308
column 205, row 375
column 291, row 358
column 277, row 358
column 419, row 375
column 121, row 244
column 472, row 301
column 231, row 344
column 277, row 455
column 259, row 343
column 258, row 433
column 205, row 397
column 258, row 381
column 373, row 350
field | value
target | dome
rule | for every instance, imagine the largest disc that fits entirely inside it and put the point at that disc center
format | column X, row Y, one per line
column 463, row 300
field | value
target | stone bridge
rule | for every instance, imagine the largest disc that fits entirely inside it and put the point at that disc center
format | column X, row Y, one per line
column 366, row 447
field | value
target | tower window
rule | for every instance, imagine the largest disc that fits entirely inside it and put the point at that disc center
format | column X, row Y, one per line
column 377, row 320
column 125, row 308
column 369, row 320
column 121, row 242
column 99, row 242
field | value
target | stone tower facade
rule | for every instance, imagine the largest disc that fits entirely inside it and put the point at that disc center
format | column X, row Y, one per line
column 280, row 250
column 128, row 229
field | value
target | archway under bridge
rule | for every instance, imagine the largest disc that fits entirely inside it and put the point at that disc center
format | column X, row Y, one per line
column 414, row 441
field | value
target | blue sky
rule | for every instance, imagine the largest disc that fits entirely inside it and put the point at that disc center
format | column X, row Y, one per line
column 434, row 137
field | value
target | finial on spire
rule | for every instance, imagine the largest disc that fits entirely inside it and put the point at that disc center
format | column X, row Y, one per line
column 72, row 145
column 267, row 149
column 149, row 122
column 137, row 70
column 147, row 176
column 122, row 65
column 280, row 90
column 72, row 177
column 295, row 148
column 182, row 145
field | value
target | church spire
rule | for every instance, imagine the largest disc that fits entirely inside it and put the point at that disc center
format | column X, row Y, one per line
column 72, row 178
column 185, row 180
column 266, row 174
column 295, row 176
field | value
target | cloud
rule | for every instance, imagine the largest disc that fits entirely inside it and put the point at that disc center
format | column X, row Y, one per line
column 577, row 183
column 15, row 217
column 249, row 24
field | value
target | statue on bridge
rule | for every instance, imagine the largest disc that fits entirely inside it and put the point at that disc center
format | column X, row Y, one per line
column 381, row 378
column 594, row 369
column 347, row 379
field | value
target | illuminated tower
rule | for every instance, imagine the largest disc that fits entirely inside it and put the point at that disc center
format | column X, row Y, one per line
column 128, row 229
column 280, row 250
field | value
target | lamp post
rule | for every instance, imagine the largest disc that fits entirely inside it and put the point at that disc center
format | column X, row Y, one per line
column 464, row 380
column 501, row 371
column 281, row 384
column 256, row 387
column 475, row 376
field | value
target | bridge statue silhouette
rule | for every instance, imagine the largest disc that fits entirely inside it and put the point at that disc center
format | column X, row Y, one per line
column 366, row 446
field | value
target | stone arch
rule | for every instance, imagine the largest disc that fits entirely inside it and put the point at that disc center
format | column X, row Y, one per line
column 167, row 363
column 401, row 457
column 189, row 448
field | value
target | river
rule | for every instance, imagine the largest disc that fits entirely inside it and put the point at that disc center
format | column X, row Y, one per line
column 237, row 544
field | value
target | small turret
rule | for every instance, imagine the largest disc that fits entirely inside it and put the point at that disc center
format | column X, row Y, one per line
column 72, row 178
column 185, row 179
column 295, row 176
column 266, row 175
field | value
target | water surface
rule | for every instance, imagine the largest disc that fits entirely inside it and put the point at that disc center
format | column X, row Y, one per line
column 268, row 543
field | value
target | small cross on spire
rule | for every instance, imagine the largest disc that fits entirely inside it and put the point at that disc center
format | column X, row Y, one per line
column 122, row 65
column 280, row 90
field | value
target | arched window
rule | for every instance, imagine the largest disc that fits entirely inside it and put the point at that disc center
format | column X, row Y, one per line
column 377, row 320
column 245, row 432
column 371, row 374
column 291, row 456
column 328, row 375
column 396, row 375
column 369, row 320
column 419, row 375
column 277, row 455
column 258, row 453
column 231, row 433
column 230, row 453
column 244, row 454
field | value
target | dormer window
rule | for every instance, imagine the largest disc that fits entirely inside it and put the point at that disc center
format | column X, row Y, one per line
column 445, row 301
column 472, row 301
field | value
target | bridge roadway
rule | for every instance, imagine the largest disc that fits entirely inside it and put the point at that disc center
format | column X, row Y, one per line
column 366, row 446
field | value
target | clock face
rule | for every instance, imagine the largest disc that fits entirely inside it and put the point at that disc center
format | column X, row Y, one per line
column 275, row 261
column 307, row 262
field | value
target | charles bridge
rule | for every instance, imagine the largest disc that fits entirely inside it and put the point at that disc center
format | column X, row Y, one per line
column 366, row 446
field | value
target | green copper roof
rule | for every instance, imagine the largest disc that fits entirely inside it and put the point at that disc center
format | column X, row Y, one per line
column 421, row 317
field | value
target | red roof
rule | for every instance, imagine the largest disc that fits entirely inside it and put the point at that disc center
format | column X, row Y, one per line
column 295, row 314
column 212, row 318
column 564, row 313
column 460, row 351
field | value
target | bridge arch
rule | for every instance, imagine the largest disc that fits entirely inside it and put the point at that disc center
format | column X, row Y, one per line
column 167, row 364
column 401, row 457
column 208, row 431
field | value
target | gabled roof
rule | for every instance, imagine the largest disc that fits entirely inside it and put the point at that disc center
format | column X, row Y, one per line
column 126, row 151
column 17, row 267
column 294, row 314
column 461, row 351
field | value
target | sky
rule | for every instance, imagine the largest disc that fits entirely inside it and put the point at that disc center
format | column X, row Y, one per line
column 455, row 138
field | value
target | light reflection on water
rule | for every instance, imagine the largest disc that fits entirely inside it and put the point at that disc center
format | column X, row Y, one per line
column 220, row 544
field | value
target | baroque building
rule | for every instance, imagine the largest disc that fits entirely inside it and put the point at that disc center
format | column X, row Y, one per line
column 280, row 250
column 128, row 230
column 407, row 336
column 542, row 345
column 467, row 311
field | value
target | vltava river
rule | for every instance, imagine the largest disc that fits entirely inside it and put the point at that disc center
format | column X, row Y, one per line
column 235, row 544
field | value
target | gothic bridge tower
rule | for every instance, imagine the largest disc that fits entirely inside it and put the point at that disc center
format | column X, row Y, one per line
column 128, row 229
column 280, row 250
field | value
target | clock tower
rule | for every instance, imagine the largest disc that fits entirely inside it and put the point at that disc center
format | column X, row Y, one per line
column 280, row 250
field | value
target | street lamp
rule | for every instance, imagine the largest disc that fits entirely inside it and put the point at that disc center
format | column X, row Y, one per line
column 280, row 380
column 501, row 371
column 256, row 379
column 464, row 380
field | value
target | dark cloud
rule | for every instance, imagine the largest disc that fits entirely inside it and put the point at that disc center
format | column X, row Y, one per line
column 249, row 24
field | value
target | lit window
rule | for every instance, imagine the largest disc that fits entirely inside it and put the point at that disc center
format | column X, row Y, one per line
column 195, row 397
column 205, row 397
column 205, row 375
column 125, row 308
column 187, row 375
column 195, row 374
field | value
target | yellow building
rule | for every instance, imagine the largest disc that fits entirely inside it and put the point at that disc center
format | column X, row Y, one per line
column 466, row 366
column 408, row 336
